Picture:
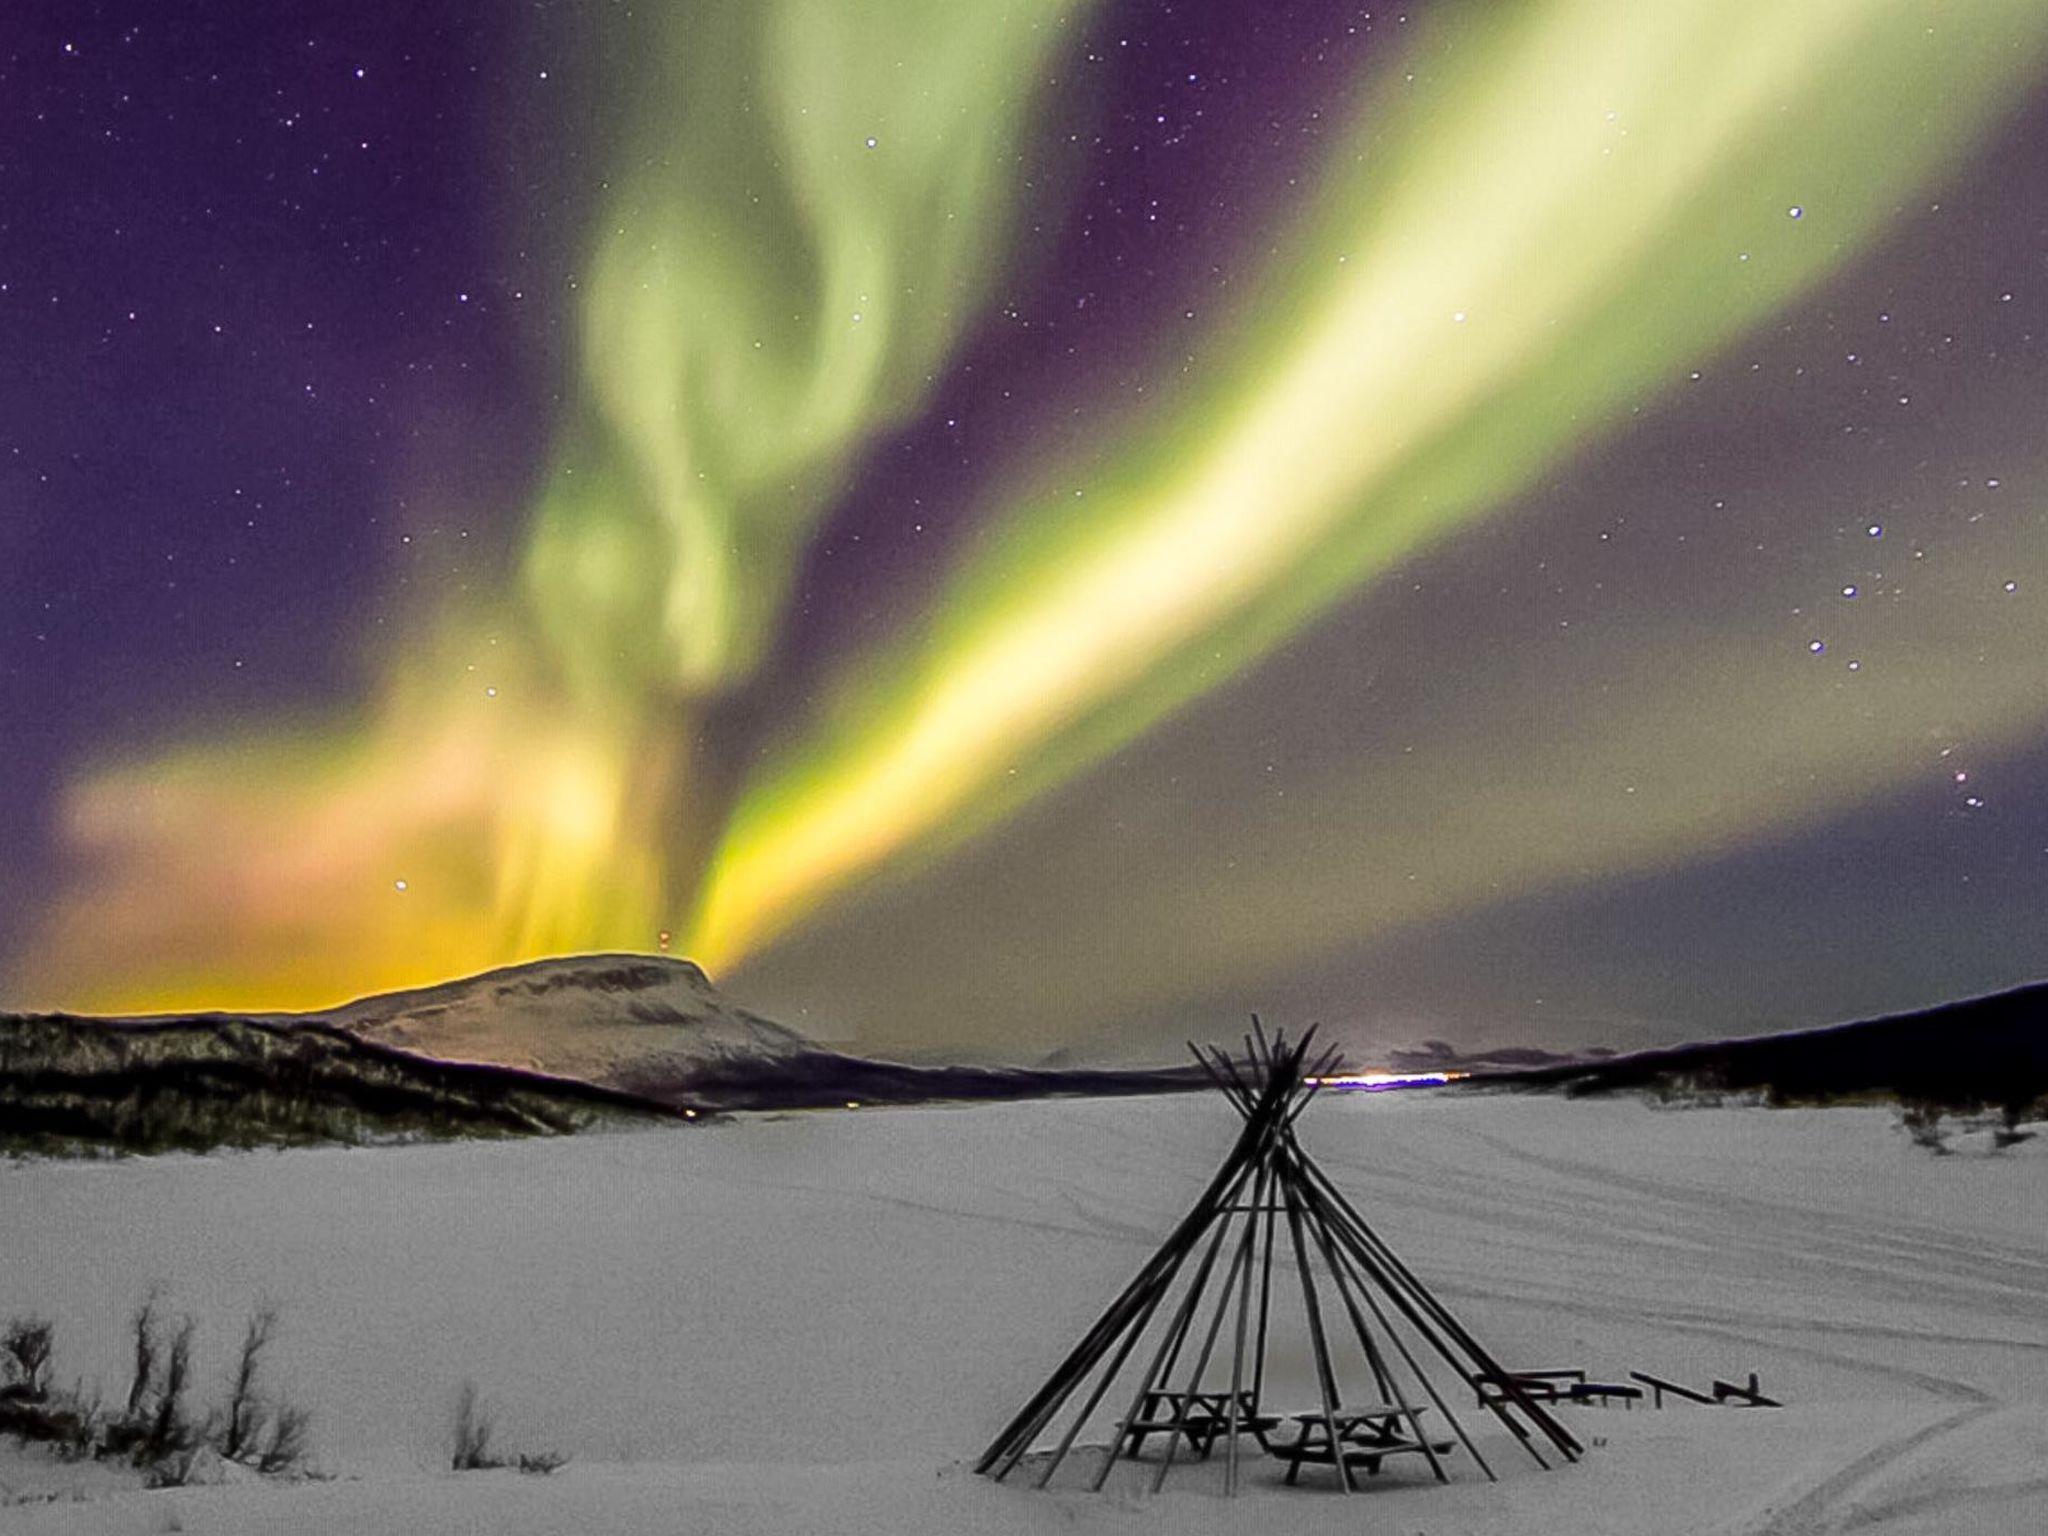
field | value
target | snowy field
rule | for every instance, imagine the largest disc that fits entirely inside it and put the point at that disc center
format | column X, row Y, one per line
column 814, row 1323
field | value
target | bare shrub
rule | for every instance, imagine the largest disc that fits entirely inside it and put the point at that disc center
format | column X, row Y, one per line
column 472, row 1449
column 87, row 1427
column 284, row 1447
column 2007, row 1133
column 143, row 1327
column 170, row 1426
column 1921, row 1119
column 242, row 1421
column 25, row 1355
column 173, row 1470
column 156, row 1430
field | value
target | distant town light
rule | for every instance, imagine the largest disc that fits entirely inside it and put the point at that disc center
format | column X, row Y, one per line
column 1373, row 1081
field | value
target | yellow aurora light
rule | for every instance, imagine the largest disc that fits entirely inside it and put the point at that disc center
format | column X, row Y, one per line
column 1544, row 213
column 810, row 201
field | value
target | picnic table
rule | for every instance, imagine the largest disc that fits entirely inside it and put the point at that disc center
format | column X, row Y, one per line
column 1536, row 1386
column 1367, row 1437
column 1202, row 1418
column 1604, row 1392
column 1551, row 1387
column 1747, row 1395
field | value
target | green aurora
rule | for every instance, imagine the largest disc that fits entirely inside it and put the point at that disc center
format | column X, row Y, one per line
column 1535, row 218
column 1541, row 218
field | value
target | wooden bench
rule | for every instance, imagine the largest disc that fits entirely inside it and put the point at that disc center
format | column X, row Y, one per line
column 1659, row 1388
column 1537, row 1386
column 1202, row 1418
column 1367, row 1438
column 1603, row 1393
column 1747, row 1396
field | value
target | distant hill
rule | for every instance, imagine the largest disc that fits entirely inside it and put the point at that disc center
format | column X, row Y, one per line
column 1987, row 1052
column 154, row 1085
column 642, row 1023
column 547, row 1047
column 656, row 1027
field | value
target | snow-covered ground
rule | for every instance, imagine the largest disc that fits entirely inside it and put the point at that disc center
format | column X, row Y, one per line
column 814, row 1323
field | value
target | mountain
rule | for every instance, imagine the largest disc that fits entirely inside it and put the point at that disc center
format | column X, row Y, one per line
column 656, row 1028
column 549, row 1046
column 1985, row 1052
column 213, row 1080
column 639, row 1023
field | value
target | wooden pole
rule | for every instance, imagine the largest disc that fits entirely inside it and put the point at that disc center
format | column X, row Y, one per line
column 1408, row 1293
column 1436, row 1397
column 1187, row 1306
column 1123, row 1353
column 1326, row 1378
column 1237, row 1261
column 1333, row 1057
column 1245, row 1096
column 1130, row 1340
column 1225, row 1077
column 1244, row 1309
column 1512, row 1391
column 1382, row 1373
column 1136, row 1301
column 1139, row 1297
column 1272, row 1216
column 1180, row 1334
column 1265, row 1296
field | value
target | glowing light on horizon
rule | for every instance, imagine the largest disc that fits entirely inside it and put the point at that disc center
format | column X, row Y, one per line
column 1373, row 1082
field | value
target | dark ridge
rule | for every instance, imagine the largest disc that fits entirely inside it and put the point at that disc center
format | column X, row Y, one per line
column 69, row 1083
column 190, row 1084
column 820, row 1079
column 1985, row 1053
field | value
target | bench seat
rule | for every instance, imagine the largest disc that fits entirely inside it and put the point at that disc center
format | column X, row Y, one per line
column 1356, row 1456
column 1204, row 1421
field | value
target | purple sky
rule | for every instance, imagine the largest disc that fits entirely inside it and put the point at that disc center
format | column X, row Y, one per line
column 283, row 309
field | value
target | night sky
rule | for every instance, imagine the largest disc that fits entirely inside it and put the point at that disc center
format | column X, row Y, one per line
column 1018, row 524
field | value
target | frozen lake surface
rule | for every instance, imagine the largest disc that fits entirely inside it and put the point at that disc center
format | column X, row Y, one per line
column 814, row 1323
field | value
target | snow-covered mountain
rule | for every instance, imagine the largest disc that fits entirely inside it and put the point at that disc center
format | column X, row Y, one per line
column 656, row 1027
column 552, row 1045
column 644, row 1023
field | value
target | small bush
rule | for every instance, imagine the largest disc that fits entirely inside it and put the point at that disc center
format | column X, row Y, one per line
column 472, row 1447
column 243, row 1419
column 156, row 1430
column 179, row 1469
column 1921, row 1119
column 2010, row 1118
column 471, row 1441
column 88, row 1425
column 25, row 1355
column 284, row 1447
column 143, row 1327
column 170, row 1429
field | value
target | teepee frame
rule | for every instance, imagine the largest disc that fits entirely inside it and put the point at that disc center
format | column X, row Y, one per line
column 1272, row 1193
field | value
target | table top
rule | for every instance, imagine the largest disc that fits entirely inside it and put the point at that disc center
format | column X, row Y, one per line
column 1379, row 1424
column 1219, row 1400
column 1360, row 1415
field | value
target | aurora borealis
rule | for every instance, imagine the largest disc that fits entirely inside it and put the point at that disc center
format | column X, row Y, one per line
column 1543, row 543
